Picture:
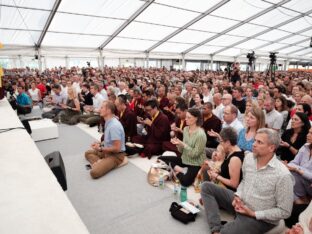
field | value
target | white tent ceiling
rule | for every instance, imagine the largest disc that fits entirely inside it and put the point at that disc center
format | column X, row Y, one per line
column 182, row 27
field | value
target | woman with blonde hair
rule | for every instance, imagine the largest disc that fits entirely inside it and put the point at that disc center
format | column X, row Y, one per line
column 255, row 120
column 71, row 110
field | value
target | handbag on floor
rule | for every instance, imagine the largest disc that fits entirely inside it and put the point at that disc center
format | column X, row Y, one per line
column 154, row 174
column 179, row 213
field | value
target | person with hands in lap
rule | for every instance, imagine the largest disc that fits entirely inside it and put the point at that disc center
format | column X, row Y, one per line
column 263, row 197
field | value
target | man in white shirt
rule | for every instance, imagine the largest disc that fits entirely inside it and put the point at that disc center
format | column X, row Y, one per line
column 122, row 88
column 76, row 84
column 273, row 119
column 264, row 196
column 92, row 116
column 230, row 118
column 218, row 110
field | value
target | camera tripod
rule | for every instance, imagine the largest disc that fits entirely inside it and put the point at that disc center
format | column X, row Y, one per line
column 271, row 71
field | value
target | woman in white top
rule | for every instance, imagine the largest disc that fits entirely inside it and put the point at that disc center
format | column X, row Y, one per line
column 207, row 97
column 34, row 94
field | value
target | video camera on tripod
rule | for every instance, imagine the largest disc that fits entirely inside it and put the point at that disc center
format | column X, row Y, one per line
column 272, row 66
column 251, row 64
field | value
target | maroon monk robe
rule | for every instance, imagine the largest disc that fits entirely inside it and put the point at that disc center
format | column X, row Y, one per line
column 157, row 133
column 128, row 120
column 139, row 107
column 167, row 145
column 212, row 123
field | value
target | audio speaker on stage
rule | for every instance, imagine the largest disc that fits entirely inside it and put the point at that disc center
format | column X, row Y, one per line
column 55, row 162
column 27, row 126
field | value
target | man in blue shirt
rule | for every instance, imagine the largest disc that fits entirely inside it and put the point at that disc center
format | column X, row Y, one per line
column 109, row 154
column 23, row 101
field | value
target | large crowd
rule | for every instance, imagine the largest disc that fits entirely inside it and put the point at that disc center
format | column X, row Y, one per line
column 248, row 136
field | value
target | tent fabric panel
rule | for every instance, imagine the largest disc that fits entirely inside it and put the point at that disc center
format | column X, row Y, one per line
column 173, row 47
column 23, row 19
column 159, row 14
column 190, row 36
column 247, row 30
column 83, row 24
column 72, row 40
column 110, row 8
column 206, row 49
column 299, row 5
column 213, row 24
column 225, row 40
column 297, row 25
column 42, row 4
column 199, row 6
column 129, row 44
column 250, row 44
column 18, row 37
column 293, row 39
column 274, row 17
column 146, row 31
column 245, row 9
column 273, row 35
column 230, row 52
column 289, row 49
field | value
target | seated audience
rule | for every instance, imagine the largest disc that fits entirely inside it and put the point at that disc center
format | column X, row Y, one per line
column 192, row 148
column 158, row 130
column 23, row 101
column 230, row 174
column 238, row 99
column 281, row 107
column 218, row 110
column 293, row 139
column 85, row 96
column 177, row 128
column 71, row 110
column 230, row 114
column 263, row 197
column 210, row 122
column 55, row 100
column 254, row 121
column 109, row 154
column 273, row 119
column 305, row 222
column 92, row 117
column 126, row 117
column 34, row 94
column 301, row 168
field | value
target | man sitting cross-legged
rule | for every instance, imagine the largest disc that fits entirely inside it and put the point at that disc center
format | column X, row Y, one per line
column 109, row 154
column 262, row 199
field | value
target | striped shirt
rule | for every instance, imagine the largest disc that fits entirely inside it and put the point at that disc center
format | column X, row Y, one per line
column 268, row 190
column 194, row 152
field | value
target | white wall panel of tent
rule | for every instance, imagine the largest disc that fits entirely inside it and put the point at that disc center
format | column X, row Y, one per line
column 127, row 32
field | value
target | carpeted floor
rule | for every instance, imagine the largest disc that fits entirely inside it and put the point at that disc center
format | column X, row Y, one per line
column 120, row 202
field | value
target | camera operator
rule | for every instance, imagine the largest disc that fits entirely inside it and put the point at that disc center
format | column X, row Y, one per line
column 235, row 76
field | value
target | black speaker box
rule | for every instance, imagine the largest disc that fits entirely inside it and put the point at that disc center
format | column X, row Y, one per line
column 55, row 162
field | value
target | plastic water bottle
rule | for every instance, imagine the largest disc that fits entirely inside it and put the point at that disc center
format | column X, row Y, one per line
column 176, row 187
column 183, row 194
column 161, row 180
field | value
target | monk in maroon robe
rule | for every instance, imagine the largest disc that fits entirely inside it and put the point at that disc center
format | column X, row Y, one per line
column 126, row 117
column 177, row 128
column 157, row 128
